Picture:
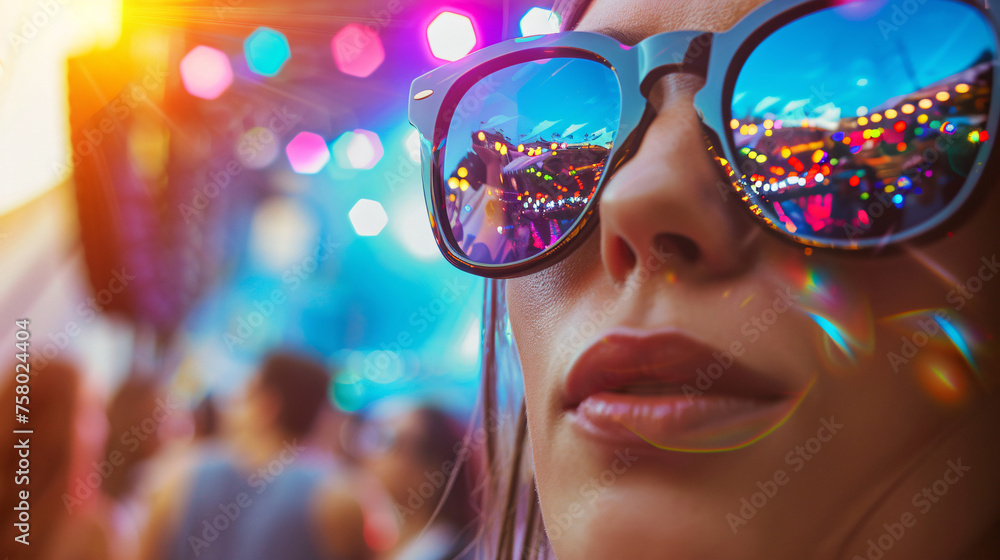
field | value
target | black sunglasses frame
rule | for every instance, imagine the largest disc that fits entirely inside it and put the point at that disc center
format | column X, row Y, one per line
column 716, row 57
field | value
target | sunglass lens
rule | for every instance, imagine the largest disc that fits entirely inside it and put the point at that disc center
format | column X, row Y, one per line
column 525, row 150
column 861, row 123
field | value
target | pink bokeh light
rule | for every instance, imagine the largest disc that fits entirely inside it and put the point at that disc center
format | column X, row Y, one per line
column 307, row 153
column 206, row 72
column 357, row 50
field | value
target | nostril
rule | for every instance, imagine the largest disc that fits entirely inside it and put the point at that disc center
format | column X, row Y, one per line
column 626, row 256
column 679, row 245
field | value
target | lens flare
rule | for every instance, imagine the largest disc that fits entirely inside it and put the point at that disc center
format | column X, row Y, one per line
column 940, row 331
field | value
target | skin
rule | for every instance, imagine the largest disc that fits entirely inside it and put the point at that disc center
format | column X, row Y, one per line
column 898, row 433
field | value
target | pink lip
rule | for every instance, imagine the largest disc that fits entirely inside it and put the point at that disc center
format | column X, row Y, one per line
column 662, row 388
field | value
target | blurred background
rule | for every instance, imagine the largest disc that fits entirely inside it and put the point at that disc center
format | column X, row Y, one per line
column 192, row 190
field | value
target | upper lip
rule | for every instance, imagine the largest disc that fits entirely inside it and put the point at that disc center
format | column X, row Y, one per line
column 663, row 362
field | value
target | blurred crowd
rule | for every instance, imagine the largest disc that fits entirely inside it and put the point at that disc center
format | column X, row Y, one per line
column 272, row 471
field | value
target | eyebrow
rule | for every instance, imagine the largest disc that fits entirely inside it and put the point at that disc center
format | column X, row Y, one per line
column 572, row 11
column 629, row 38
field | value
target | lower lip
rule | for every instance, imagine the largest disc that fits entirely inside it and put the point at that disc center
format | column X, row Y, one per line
column 680, row 422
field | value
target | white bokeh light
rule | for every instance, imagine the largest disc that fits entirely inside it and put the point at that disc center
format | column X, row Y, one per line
column 451, row 36
column 539, row 21
column 413, row 145
column 364, row 149
column 368, row 218
column 412, row 228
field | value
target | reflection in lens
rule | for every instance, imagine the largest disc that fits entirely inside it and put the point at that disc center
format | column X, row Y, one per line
column 525, row 152
column 870, row 132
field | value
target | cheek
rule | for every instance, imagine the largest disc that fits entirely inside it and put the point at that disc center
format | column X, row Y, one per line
column 542, row 307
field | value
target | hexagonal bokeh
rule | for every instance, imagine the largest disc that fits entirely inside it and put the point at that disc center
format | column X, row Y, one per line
column 357, row 50
column 539, row 21
column 451, row 36
column 266, row 51
column 206, row 72
column 357, row 149
column 307, row 153
column 368, row 217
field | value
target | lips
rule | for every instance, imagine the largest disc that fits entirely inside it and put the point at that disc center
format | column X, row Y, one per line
column 671, row 391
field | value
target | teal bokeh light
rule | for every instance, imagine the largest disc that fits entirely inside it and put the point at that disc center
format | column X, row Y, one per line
column 266, row 51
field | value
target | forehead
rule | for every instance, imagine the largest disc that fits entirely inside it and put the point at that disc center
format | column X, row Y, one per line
column 634, row 20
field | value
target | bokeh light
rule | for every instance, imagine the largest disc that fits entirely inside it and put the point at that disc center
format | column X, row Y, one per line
column 257, row 147
column 413, row 146
column 451, row 36
column 539, row 21
column 409, row 225
column 206, row 72
column 307, row 153
column 357, row 149
column 357, row 50
column 282, row 232
column 266, row 51
column 368, row 217
column 365, row 149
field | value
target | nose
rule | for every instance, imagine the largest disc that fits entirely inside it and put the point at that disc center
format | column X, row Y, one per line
column 672, row 199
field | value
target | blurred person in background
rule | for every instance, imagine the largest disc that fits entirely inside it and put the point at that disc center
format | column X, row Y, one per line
column 69, row 515
column 414, row 452
column 205, row 417
column 262, row 495
column 135, row 414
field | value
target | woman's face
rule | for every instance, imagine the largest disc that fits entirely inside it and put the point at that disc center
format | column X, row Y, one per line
column 893, row 445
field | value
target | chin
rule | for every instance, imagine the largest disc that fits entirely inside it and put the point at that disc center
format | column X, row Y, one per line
column 644, row 524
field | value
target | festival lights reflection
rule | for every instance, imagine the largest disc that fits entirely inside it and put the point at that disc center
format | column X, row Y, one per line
column 519, row 177
column 861, row 162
